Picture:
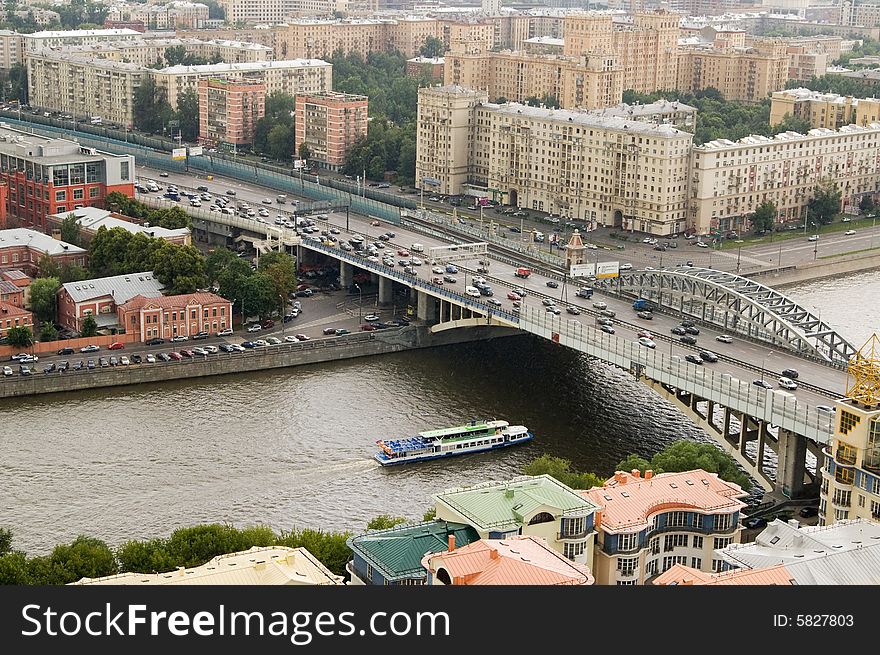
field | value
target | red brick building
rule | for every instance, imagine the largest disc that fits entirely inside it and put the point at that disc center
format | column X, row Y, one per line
column 11, row 294
column 101, row 296
column 46, row 176
column 170, row 316
column 431, row 66
column 13, row 316
column 22, row 249
column 229, row 111
column 329, row 124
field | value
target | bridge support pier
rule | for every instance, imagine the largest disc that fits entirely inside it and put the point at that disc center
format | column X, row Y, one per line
column 427, row 308
column 346, row 273
column 726, row 423
column 374, row 278
column 792, row 466
column 413, row 295
column 762, row 438
column 386, row 288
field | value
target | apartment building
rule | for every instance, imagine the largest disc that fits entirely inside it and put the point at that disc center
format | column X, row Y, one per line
column 262, row 35
column 100, row 297
column 851, row 474
column 45, row 176
column 588, row 81
column 407, row 35
column 858, row 13
column 166, row 317
column 329, row 124
column 430, row 67
column 13, row 316
column 730, row 179
column 56, row 39
column 539, row 506
column 662, row 112
column 648, row 524
column 171, row 16
column 804, row 65
column 229, row 111
column 149, row 52
column 257, row 11
column 746, row 74
column 10, row 49
column 824, row 109
column 604, row 170
column 544, row 45
column 321, row 38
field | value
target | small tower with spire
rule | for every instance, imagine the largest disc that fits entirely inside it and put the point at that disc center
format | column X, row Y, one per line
column 575, row 252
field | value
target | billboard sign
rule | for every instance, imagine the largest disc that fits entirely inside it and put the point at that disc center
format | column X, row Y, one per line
column 298, row 164
column 607, row 269
column 195, row 151
column 178, row 153
column 582, row 270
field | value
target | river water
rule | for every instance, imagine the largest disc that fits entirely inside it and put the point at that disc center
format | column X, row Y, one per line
column 292, row 448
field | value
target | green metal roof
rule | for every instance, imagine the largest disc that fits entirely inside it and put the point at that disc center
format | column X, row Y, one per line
column 501, row 504
column 398, row 551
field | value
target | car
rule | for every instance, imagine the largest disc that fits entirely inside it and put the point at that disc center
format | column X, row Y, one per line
column 91, row 348
column 708, row 356
column 686, row 323
column 693, row 359
column 329, row 330
column 807, row 512
column 688, row 339
column 227, row 348
column 179, row 356
column 813, row 237
column 24, row 370
column 512, row 295
column 644, row 333
column 179, row 337
column 274, row 341
column 494, row 302
column 415, row 261
column 600, row 305
column 790, row 373
column 702, row 244
column 114, row 360
column 50, row 368
column 645, row 315
column 268, row 323
column 103, row 363
column 826, row 409
column 439, row 270
column 302, row 337
column 553, row 284
column 341, row 331
column 648, row 343
column 7, row 371
column 305, row 293
column 90, row 364
column 66, row 351
column 724, row 338
column 692, row 330
column 154, row 342
column 230, row 192
column 116, row 345
column 63, row 366
column 608, row 312
column 375, row 223
column 27, row 359
column 225, row 332
column 450, row 279
column 163, row 174
column 136, row 359
column 291, row 338
column 200, row 351
column 372, row 316
column 256, row 327
column 604, row 321
column 247, row 345
column 607, row 329
column 547, row 302
column 553, row 309
column 755, row 522
column 367, row 327
column 625, row 267
column 787, row 383
column 762, row 383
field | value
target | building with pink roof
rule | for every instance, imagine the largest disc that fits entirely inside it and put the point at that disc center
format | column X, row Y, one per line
column 517, row 560
column 648, row 524
column 684, row 575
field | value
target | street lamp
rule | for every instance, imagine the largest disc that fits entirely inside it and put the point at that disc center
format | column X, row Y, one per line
column 283, row 302
column 360, row 301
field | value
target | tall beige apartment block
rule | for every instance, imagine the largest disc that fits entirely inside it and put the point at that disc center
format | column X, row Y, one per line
column 823, row 109
column 330, row 124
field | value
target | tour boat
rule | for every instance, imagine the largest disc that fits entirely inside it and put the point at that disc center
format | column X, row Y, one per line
column 475, row 437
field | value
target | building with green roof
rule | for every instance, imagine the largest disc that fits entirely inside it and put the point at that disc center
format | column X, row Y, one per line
column 393, row 556
column 528, row 505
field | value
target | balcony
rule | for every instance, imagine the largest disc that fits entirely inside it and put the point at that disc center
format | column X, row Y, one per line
column 845, row 457
column 572, row 536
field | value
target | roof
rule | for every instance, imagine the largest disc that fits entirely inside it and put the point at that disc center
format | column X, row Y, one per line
column 628, row 501
column 8, row 310
column 272, row 565
column 427, row 60
column 519, row 560
column 15, row 275
column 9, row 287
column 662, row 106
column 50, row 34
column 790, row 136
column 398, row 551
column 546, row 40
column 512, row 503
column 121, row 287
column 679, row 574
column 246, row 66
column 19, row 236
column 173, row 302
column 93, row 218
column 786, row 543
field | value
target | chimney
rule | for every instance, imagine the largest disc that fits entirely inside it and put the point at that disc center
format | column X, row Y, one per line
column 508, row 493
column 620, row 476
column 493, row 554
column 597, row 519
column 451, row 542
column 181, row 571
column 649, row 474
column 635, row 473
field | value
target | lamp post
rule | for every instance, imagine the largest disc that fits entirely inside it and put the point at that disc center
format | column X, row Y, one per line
column 282, row 313
column 360, row 301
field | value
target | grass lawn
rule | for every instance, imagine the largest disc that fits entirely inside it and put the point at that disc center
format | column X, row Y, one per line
column 837, row 226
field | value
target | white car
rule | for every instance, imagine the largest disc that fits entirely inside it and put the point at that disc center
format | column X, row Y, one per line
column 290, row 339
column 439, row 270
column 702, row 244
column 600, row 305
column 256, row 327
column 849, row 233
column 261, row 342
column 724, row 338
column 787, row 383
column 626, row 267
column 225, row 333
column 179, row 337
column 7, row 371
column 416, row 261
column 124, row 360
column 648, row 343
column 473, row 292
column 150, row 359
column 237, row 347
column 371, row 317
column 274, row 340
column 212, row 349
column 199, row 351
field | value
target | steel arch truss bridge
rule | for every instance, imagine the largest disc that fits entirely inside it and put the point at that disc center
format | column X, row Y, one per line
column 739, row 305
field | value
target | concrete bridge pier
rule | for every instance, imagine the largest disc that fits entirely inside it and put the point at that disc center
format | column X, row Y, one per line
column 792, row 468
column 346, row 273
column 413, row 295
column 386, row 290
column 426, row 308
column 374, row 278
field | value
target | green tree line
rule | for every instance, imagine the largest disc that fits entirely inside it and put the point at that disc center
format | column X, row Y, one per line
column 172, row 218
column 153, row 114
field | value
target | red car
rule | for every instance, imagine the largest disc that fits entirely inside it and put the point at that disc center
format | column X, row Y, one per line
column 267, row 323
column 116, row 345
column 174, row 355
column 366, row 327
column 183, row 353
column 646, row 334
column 513, row 296
column 375, row 223
column 403, row 253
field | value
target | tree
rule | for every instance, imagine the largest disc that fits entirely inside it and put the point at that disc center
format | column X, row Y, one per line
column 180, row 269
column 72, row 273
column 633, row 462
column 70, row 231
column 866, row 204
column 218, row 260
column 188, row 114
column 20, row 336
column 330, row 548
column 764, row 217
column 304, row 151
column 85, row 557
column 5, row 541
column 14, row 569
column 432, row 47
column 48, row 267
column 685, row 455
column 280, row 142
column 384, row 522
column 259, row 295
column 48, row 332
column 89, row 327
column 430, row 514
column 824, row 205
column 42, row 297
column 561, row 470
column 150, row 108
column 215, row 10
column 280, row 268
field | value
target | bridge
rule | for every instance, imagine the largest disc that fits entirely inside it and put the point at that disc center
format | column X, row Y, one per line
column 750, row 422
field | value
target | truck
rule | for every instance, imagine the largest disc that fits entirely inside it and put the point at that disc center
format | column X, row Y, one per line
column 522, row 272
column 584, row 292
column 644, row 305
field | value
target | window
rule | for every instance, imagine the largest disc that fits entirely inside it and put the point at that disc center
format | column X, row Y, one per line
column 369, row 571
column 722, row 542
column 841, row 514
column 78, row 194
column 573, row 526
column 573, row 550
column 668, row 562
column 698, row 542
column 627, row 542
column 626, row 583
column 192, row 315
column 716, row 565
column 123, row 170
column 696, row 562
column 627, row 566
column 676, row 519
column 841, row 497
column 60, row 195
column 93, row 192
column 673, row 541
column 845, row 454
column 655, row 546
column 722, row 522
column 848, row 421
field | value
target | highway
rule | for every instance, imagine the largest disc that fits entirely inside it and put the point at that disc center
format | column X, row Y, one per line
column 755, row 356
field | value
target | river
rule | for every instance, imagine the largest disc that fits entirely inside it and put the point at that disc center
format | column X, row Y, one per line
column 292, row 448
